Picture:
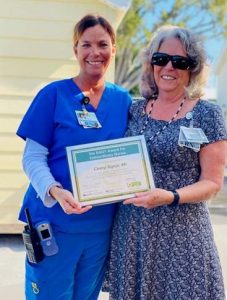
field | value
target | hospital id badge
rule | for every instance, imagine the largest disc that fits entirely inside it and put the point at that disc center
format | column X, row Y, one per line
column 194, row 146
column 192, row 138
column 87, row 119
column 192, row 135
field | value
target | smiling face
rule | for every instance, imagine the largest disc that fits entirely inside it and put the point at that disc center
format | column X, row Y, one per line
column 166, row 77
column 94, row 51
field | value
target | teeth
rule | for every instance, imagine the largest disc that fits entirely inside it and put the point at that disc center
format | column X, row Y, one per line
column 167, row 77
column 95, row 62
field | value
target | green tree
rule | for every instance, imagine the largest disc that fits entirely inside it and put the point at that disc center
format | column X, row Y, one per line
column 206, row 17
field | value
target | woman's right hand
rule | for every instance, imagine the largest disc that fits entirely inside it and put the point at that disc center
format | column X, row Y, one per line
column 66, row 200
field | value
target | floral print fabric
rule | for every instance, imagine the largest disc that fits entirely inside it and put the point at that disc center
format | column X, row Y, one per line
column 167, row 253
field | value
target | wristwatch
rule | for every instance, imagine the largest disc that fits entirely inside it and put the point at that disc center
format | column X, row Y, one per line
column 176, row 198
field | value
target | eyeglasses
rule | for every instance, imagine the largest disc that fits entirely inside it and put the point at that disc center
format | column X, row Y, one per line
column 178, row 62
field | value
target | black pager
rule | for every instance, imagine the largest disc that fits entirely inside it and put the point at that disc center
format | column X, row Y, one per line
column 31, row 241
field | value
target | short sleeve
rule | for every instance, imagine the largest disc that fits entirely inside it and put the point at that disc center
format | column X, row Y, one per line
column 137, row 108
column 38, row 122
column 213, row 124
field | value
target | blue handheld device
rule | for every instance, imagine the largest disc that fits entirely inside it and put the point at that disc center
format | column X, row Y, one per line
column 47, row 239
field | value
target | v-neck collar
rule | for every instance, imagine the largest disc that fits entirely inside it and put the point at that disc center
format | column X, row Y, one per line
column 90, row 106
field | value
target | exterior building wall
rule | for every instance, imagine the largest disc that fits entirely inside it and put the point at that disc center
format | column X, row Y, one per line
column 35, row 49
column 221, row 72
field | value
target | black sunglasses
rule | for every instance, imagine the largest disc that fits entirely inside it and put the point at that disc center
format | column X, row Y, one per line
column 178, row 62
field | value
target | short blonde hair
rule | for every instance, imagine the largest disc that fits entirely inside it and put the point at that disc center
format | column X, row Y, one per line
column 193, row 46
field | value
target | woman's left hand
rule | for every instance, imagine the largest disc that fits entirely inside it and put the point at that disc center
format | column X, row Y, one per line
column 151, row 199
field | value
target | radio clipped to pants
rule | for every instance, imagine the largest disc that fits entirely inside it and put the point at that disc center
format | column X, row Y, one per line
column 39, row 240
column 31, row 241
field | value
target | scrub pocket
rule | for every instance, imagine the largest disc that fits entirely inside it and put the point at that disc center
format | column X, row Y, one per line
column 36, row 288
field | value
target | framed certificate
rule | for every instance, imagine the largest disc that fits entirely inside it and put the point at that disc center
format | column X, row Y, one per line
column 109, row 171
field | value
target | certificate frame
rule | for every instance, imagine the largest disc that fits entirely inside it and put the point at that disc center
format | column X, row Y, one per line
column 109, row 171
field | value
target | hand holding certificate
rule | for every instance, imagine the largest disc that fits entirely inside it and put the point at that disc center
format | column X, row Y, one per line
column 110, row 171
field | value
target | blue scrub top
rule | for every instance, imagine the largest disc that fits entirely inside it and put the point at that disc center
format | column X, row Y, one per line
column 52, row 122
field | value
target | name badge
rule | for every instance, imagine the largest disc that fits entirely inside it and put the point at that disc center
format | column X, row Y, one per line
column 87, row 119
column 192, row 138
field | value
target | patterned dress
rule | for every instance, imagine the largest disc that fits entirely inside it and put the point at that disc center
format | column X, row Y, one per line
column 167, row 253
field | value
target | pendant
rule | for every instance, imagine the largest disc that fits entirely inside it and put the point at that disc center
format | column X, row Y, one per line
column 189, row 115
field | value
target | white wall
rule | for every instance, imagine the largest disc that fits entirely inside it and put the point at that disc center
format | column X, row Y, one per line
column 221, row 72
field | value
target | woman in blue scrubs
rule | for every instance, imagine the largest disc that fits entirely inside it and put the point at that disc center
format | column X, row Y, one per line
column 48, row 127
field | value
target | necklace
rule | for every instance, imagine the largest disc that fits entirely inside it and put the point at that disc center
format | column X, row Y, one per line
column 165, row 126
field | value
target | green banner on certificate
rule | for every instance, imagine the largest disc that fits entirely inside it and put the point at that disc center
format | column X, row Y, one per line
column 109, row 152
column 110, row 171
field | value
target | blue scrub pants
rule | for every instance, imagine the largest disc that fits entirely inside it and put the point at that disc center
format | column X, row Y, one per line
column 74, row 273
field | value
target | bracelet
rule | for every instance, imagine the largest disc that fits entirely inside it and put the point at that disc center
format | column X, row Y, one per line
column 176, row 198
